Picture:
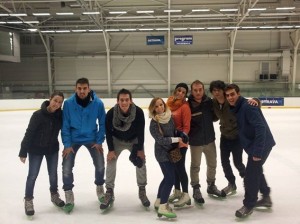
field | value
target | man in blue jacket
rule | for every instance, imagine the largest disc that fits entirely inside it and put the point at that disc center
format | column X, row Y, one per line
column 257, row 140
column 83, row 124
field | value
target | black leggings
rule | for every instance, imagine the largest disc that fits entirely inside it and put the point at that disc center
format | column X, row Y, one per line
column 181, row 176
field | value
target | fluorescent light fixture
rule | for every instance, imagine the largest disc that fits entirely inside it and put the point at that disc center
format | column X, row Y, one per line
column 249, row 27
column 18, row 14
column 95, row 30
column 1, row 22
column 285, row 8
column 78, row 31
column 35, row 21
column 231, row 27
column 47, row 31
column 197, row 28
column 200, row 10
column 228, row 10
column 214, row 28
column 267, row 27
column 145, row 29
column 4, row 14
column 75, row 6
column 285, row 27
column 257, row 9
column 172, row 10
column 117, row 12
column 112, row 30
column 162, row 29
column 14, row 22
column 145, row 11
column 129, row 29
column 32, row 30
column 41, row 14
column 90, row 13
column 178, row 29
column 62, row 31
column 64, row 13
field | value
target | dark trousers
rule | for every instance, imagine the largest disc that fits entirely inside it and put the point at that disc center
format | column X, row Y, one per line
column 233, row 146
column 167, row 183
column 255, row 181
column 181, row 176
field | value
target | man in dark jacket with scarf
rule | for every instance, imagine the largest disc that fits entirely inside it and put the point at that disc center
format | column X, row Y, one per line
column 257, row 140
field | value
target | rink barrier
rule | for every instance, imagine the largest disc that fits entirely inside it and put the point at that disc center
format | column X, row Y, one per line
column 34, row 104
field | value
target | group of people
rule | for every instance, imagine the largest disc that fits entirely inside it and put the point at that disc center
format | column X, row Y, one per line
column 183, row 120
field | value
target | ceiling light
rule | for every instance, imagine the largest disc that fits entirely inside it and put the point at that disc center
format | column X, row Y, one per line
column 231, row 27
column 285, row 27
column 145, row 29
column 32, row 30
column 228, row 10
column 47, row 31
column 257, row 9
column 197, row 28
column 95, row 30
column 18, row 14
column 214, row 28
column 172, row 10
column 14, row 22
column 266, row 27
column 162, row 29
column 129, row 29
column 90, row 13
column 146, row 11
column 117, row 12
column 64, row 13
column 178, row 29
column 62, row 31
column 41, row 14
column 4, row 14
column 112, row 30
column 249, row 27
column 200, row 10
column 1, row 22
column 34, row 21
column 78, row 31
column 285, row 8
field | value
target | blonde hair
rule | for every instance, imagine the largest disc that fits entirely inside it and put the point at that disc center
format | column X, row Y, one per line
column 151, row 108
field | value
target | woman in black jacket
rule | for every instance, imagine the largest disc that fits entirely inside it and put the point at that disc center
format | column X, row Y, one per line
column 41, row 139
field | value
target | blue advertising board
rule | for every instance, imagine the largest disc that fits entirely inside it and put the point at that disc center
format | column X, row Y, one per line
column 271, row 101
column 183, row 40
column 155, row 40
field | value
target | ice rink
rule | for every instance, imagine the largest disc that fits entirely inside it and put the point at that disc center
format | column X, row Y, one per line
column 282, row 171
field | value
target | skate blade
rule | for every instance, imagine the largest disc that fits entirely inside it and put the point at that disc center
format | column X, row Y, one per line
column 166, row 216
column 68, row 208
column 30, row 217
column 108, row 208
column 216, row 197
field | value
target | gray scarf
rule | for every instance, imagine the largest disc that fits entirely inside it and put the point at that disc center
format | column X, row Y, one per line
column 121, row 122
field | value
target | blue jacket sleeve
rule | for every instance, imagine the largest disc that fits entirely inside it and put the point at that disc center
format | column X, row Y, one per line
column 101, row 123
column 66, row 130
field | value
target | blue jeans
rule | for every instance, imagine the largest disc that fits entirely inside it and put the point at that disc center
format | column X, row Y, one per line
column 165, row 187
column 69, row 161
column 35, row 162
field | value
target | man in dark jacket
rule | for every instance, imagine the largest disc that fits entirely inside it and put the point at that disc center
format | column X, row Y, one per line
column 257, row 140
column 202, row 140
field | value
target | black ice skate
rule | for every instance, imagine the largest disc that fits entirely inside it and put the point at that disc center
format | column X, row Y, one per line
column 108, row 200
column 212, row 190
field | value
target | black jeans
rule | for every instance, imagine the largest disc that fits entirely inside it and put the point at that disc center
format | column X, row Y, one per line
column 255, row 181
column 233, row 146
column 181, row 176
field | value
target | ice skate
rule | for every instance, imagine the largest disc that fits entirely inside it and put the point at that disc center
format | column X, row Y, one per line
column 28, row 204
column 166, row 211
column 265, row 201
column 243, row 212
column 230, row 189
column 184, row 200
column 156, row 203
column 175, row 196
column 100, row 193
column 69, row 201
column 143, row 197
column 212, row 190
column 56, row 200
column 108, row 200
column 198, row 196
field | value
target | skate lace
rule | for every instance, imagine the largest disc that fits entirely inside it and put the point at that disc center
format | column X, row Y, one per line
column 100, row 191
column 69, row 197
column 197, row 194
column 55, row 198
column 142, row 195
column 29, row 205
